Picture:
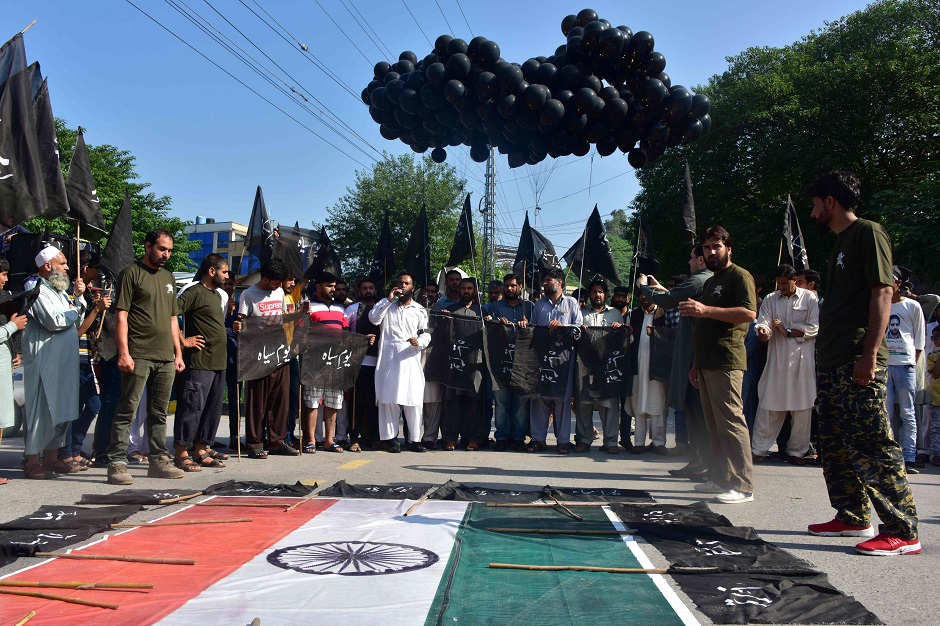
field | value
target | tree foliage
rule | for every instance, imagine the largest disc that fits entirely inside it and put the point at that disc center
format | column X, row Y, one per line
column 859, row 94
column 400, row 184
column 113, row 170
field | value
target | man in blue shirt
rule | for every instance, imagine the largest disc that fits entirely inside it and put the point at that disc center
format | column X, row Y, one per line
column 554, row 310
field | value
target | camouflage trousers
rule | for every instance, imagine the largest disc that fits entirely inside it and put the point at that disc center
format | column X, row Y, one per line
column 862, row 463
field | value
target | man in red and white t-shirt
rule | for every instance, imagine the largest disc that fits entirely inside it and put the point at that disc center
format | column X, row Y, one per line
column 268, row 397
column 324, row 310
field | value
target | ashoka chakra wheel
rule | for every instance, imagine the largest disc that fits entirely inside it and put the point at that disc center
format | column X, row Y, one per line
column 353, row 558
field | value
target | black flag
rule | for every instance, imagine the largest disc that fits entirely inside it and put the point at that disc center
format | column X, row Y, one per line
column 119, row 251
column 535, row 255
column 332, row 358
column 259, row 241
column 644, row 260
column 688, row 208
column 603, row 365
column 464, row 242
column 57, row 202
column 323, row 258
column 592, row 250
column 542, row 361
column 84, row 205
column 418, row 254
column 383, row 261
column 288, row 247
column 268, row 342
column 794, row 248
column 22, row 191
column 455, row 355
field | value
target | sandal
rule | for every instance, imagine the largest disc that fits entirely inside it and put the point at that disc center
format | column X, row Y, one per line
column 257, row 453
column 450, row 446
column 310, row 448
column 35, row 471
column 207, row 460
column 186, row 464
column 61, row 467
column 354, row 447
column 76, row 463
column 333, row 447
column 536, row 446
column 219, row 456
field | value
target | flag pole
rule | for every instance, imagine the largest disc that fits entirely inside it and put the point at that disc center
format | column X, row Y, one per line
column 28, row 27
column 639, row 229
column 780, row 251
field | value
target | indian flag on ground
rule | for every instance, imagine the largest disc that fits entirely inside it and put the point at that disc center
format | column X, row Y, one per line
column 363, row 561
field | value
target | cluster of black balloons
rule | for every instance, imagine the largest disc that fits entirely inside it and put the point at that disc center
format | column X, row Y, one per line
column 465, row 93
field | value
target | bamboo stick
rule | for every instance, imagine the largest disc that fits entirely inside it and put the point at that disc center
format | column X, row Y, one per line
column 73, row 585
column 579, row 568
column 421, row 500
column 183, row 523
column 297, row 504
column 561, row 531
column 180, row 498
column 115, row 557
column 23, row 32
column 543, row 504
column 26, row 618
column 49, row 596
column 254, row 504
column 566, row 510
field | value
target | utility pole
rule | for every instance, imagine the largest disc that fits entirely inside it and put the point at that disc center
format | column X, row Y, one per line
column 489, row 221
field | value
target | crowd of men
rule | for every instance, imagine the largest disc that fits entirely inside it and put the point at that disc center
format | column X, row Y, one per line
column 742, row 374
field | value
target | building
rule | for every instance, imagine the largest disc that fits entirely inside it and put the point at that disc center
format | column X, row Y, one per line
column 225, row 238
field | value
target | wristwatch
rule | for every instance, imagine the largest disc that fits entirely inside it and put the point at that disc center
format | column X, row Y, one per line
column 789, row 332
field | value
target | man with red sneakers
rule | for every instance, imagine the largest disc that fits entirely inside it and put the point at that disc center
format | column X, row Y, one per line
column 863, row 465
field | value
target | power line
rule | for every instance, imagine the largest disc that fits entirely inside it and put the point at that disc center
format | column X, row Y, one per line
column 391, row 55
column 573, row 193
column 242, row 83
column 465, row 18
column 175, row 4
column 382, row 53
column 416, row 23
column 322, row 108
column 371, row 64
column 449, row 27
column 302, row 48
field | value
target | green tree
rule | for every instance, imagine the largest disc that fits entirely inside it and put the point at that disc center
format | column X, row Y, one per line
column 400, row 184
column 858, row 94
column 113, row 170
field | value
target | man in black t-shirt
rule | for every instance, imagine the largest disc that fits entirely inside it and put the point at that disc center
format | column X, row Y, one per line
column 862, row 463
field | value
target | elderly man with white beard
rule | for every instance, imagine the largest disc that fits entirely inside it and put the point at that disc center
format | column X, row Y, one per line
column 50, row 360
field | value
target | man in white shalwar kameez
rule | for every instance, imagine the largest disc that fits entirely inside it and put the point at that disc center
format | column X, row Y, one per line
column 789, row 322
column 50, row 362
column 399, row 376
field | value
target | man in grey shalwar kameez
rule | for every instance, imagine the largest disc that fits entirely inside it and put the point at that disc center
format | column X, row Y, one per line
column 50, row 361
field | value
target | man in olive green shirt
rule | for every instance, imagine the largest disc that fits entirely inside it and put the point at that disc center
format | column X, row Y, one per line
column 862, row 463
column 724, row 309
column 200, row 388
column 149, row 355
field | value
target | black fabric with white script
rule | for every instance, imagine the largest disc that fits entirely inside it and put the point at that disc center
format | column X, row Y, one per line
column 332, row 358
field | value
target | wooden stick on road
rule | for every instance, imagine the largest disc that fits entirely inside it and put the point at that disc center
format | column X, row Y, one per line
column 180, row 498
column 26, row 618
column 566, row 510
column 183, row 523
column 421, row 500
column 73, row 585
column 115, row 557
column 49, row 596
column 254, row 504
column 544, row 504
column 560, row 531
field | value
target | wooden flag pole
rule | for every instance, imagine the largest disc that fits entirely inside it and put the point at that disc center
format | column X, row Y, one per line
column 238, row 420
column 251, row 504
column 23, row 32
column 180, row 498
column 566, row 510
column 73, row 585
column 49, row 596
column 115, row 557
column 184, row 523
column 421, row 500
column 31, row 614
column 78, row 250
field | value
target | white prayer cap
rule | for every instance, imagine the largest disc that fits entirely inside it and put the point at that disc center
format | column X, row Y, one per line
column 46, row 254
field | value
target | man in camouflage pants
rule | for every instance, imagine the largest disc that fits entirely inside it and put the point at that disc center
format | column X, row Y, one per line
column 862, row 463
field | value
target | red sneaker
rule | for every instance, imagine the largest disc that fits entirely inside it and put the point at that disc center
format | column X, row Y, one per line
column 835, row 528
column 888, row 545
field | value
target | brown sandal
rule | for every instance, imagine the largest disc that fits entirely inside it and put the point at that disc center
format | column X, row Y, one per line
column 207, row 460
column 186, row 464
column 62, row 467
column 35, row 471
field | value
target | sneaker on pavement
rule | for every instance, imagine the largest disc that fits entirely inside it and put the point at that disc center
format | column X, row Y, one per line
column 886, row 544
column 709, row 487
column 118, row 475
column 733, row 496
column 835, row 528
column 162, row 467
column 911, row 468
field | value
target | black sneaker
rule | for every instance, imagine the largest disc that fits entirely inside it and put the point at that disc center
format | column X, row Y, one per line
column 390, row 445
column 911, row 468
column 417, row 447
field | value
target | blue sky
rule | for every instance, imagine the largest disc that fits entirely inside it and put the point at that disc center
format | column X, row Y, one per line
column 207, row 141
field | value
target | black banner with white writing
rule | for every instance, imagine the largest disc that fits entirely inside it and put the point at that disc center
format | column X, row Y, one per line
column 333, row 358
column 603, row 364
column 542, row 366
column 455, row 355
column 499, row 342
column 265, row 343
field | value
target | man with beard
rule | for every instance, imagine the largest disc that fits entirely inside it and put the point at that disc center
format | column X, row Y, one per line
column 598, row 314
column 464, row 416
column 862, row 463
column 399, row 377
column 341, row 297
column 365, row 414
column 51, row 365
column 149, row 355
column 324, row 310
column 200, row 387
column 512, row 410
column 727, row 305
column 452, row 287
column 427, row 296
column 554, row 310
column 681, row 394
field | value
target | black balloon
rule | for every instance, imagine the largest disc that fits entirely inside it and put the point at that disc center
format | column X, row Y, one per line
column 656, row 63
column 552, row 112
column 642, row 42
column 457, row 46
column 489, row 54
column 438, row 155
column 441, row 43
column 584, row 100
column 536, row 95
column 436, row 74
column 586, row 16
column 569, row 22
column 454, row 91
column 510, row 78
column 610, row 44
column 636, row 158
column 381, row 68
column 617, row 111
column 459, row 66
column 700, row 105
column 390, row 76
column 592, row 36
